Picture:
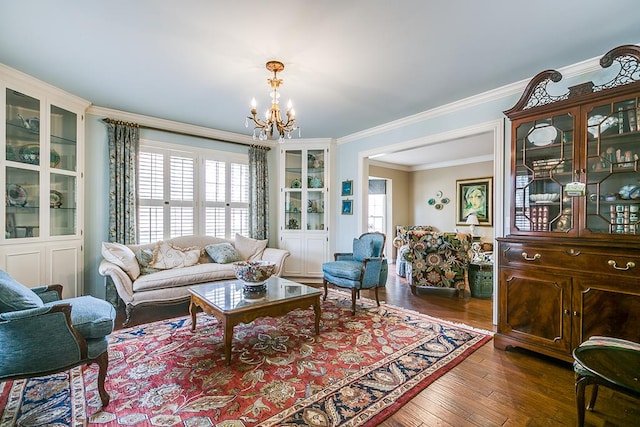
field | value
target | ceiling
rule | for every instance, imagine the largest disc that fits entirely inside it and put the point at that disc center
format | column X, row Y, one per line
column 349, row 65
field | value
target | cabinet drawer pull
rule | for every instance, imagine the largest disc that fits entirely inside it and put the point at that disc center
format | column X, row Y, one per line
column 528, row 258
column 567, row 312
column 613, row 264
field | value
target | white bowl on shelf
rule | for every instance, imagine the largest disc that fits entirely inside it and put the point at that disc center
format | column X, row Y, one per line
column 544, row 197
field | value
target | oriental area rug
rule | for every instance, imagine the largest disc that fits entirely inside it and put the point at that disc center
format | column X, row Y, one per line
column 357, row 372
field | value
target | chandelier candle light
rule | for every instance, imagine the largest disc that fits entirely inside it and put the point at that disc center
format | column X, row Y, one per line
column 272, row 115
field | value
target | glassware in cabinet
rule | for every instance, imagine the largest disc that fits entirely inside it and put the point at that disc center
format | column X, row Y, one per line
column 22, row 203
column 544, row 162
column 613, row 178
column 292, row 209
column 22, row 128
column 62, row 205
column 64, row 139
column 293, row 169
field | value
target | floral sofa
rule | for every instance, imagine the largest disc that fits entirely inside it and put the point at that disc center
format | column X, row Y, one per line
column 399, row 242
column 436, row 259
column 162, row 272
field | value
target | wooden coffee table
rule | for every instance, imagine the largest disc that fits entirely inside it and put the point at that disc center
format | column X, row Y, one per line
column 229, row 303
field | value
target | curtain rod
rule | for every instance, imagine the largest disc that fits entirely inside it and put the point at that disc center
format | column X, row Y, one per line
column 176, row 132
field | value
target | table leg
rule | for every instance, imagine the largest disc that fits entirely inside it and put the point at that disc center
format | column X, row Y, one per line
column 228, row 339
column 316, row 309
column 192, row 311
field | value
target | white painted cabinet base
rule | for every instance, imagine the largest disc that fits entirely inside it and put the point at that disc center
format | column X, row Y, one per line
column 45, row 264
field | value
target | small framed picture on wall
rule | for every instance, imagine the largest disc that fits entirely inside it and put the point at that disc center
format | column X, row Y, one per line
column 347, row 188
column 347, row 207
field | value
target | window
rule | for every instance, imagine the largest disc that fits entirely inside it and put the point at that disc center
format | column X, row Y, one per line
column 377, row 205
column 182, row 192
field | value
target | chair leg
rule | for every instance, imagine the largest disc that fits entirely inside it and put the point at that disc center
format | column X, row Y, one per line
column 354, row 292
column 103, row 364
column 324, row 283
column 594, row 394
column 377, row 300
column 581, row 384
column 413, row 290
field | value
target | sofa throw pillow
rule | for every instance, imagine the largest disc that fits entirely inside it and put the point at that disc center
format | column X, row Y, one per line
column 122, row 256
column 166, row 256
column 145, row 259
column 248, row 248
column 362, row 249
column 15, row 296
column 222, row 253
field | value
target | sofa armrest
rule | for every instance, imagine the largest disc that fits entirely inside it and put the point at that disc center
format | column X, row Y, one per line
column 276, row 256
column 120, row 279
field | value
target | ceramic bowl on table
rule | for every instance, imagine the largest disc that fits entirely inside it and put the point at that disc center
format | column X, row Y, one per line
column 253, row 273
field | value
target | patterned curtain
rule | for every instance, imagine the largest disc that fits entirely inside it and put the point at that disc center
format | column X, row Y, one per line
column 258, row 193
column 124, row 142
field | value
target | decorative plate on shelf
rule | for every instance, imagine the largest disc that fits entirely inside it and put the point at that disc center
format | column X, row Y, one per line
column 29, row 153
column 55, row 199
column 16, row 195
column 296, row 183
column 542, row 134
column 315, row 182
column 55, row 158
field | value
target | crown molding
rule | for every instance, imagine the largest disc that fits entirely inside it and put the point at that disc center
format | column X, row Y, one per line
column 516, row 88
column 18, row 80
column 456, row 162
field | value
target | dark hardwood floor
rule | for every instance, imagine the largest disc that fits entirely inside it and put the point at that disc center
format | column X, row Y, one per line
column 491, row 387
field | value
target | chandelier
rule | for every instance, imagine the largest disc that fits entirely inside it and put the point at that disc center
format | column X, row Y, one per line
column 263, row 129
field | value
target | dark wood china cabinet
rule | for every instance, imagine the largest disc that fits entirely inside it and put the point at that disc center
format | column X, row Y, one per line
column 570, row 266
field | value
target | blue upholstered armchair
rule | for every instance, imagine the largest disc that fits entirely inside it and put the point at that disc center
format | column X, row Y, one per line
column 41, row 334
column 364, row 268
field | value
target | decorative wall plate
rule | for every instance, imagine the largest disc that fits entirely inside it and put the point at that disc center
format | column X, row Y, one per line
column 16, row 195
column 439, row 206
column 431, row 202
column 445, row 200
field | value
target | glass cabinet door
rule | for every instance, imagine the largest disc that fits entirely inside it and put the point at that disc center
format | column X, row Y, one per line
column 22, row 176
column 544, row 164
column 293, row 190
column 304, row 190
column 316, row 190
column 613, row 178
column 63, row 164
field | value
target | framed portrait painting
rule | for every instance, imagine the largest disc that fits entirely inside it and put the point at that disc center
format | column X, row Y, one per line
column 474, row 195
column 347, row 188
column 347, row 207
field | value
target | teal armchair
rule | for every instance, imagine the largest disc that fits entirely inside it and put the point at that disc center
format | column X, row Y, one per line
column 364, row 268
column 42, row 334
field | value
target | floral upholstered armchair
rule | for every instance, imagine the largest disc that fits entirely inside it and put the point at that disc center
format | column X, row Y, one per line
column 399, row 242
column 436, row 259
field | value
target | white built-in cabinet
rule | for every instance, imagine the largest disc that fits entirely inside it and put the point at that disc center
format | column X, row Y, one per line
column 42, row 138
column 304, row 208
